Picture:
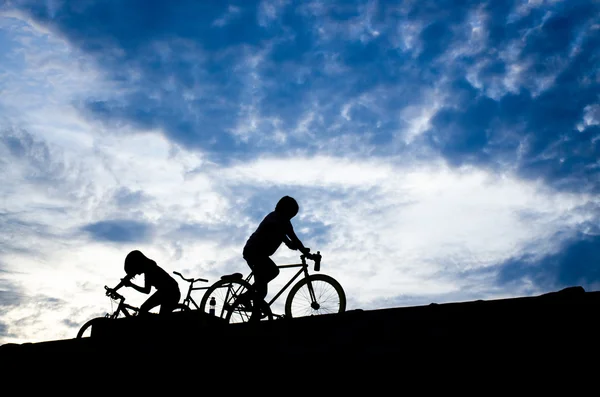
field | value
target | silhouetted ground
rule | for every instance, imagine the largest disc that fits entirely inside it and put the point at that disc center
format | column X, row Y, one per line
column 502, row 340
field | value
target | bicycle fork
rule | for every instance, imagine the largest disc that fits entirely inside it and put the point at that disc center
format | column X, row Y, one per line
column 313, row 296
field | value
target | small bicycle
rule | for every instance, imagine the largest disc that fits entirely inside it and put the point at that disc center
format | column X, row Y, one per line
column 123, row 310
column 313, row 294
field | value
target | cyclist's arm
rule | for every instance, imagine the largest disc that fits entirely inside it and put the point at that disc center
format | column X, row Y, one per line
column 288, row 242
column 124, row 281
column 144, row 290
column 295, row 242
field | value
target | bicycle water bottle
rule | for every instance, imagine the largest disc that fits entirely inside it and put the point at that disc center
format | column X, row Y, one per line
column 318, row 261
column 212, row 305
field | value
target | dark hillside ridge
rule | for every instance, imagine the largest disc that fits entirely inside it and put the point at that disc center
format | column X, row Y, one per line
column 531, row 329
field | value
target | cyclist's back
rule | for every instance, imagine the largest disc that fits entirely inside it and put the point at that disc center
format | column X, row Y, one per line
column 268, row 236
column 159, row 278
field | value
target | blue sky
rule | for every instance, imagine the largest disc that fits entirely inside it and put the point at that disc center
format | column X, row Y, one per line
column 441, row 151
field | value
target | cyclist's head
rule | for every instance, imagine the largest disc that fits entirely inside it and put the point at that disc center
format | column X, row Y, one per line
column 287, row 206
column 134, row 262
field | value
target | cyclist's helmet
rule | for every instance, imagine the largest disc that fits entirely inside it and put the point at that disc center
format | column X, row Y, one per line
column 287, row 206
column 134, row 262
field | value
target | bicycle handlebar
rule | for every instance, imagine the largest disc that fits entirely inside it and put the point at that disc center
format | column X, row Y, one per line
column 113, row 294
column 314, row 257
column 191, row 280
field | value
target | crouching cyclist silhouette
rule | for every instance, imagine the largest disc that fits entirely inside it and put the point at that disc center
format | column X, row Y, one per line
column 275, row 228
column 167, row 293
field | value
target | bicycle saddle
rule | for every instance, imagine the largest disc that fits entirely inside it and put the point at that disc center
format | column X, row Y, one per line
column 233, row 276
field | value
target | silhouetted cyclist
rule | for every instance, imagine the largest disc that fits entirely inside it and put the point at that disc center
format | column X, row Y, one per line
column 167, row 293
column 275, row 228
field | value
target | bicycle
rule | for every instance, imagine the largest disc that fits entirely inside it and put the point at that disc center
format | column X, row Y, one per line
column 123, row 310
column 189, row 300
column 313, row 294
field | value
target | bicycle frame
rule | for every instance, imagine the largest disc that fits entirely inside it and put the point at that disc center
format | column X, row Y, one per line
column 303, row 270
column 122, row 306
column 188, row 298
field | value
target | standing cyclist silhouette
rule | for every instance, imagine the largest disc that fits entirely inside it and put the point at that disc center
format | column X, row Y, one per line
column 275, row 228
column 167, row 293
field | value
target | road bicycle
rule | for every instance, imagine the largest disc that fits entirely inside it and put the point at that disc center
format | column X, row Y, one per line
column 123, row 310
column 313, row 294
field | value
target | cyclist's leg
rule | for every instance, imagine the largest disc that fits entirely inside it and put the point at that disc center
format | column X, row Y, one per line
column 264, row 270
column 166, row 299
column 170, row 301
column 155, row 300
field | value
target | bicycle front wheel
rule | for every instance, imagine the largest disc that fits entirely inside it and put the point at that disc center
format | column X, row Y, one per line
column 181, row 308
column 225, row 293
column 86, row 330
column 315, row 295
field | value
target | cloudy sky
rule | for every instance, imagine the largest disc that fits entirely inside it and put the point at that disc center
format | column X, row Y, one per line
column 440, row 151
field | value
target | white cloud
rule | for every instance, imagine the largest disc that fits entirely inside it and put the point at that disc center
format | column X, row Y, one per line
column 391, row 229
column 269, row 11
column 232, row 13
column 319, row 171
column 390, row 226
column 591, row 115
column 418, row 117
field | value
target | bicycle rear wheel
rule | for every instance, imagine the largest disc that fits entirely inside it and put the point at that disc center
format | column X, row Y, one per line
column 225, row 293
column 315, row 295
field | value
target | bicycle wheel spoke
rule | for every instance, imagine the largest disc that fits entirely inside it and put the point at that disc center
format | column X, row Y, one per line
column 239, row 316
column 225, row 293
column 327, row 298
